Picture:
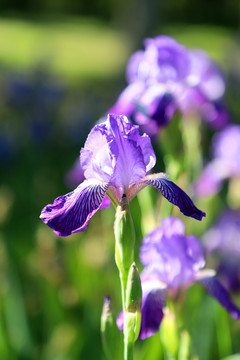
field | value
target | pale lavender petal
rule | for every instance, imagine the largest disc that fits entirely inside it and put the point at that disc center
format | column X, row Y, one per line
column 216, row 290
column 226, row 148
column 125, row 104
column 210, row 180
column 70, row 213
column 137, row 67
column 168, row 60
column 174, row 194
column 96, row 159
column 142, row 141
column 116, row 153
column 130, row 166
column 119, row 320
column 206, row 75
column 172, row 225
column 215, row 114
column 171, row 258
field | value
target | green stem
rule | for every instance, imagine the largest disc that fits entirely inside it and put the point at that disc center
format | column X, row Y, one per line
column 128, row 351
column 123, row 280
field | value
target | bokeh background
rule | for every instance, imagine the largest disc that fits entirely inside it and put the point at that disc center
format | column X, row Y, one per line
column 62, row 65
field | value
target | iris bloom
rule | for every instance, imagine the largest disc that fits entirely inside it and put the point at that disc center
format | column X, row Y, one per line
column 225, row 163
column 166, row 77
column 222, row 244
column 173, row 261
column 116, row 161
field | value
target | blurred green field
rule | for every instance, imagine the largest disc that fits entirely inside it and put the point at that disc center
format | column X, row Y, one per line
column 78, row 49
column 52, row 289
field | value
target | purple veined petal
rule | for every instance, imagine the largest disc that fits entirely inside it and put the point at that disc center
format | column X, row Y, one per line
column 174, row 194
column 130, row 166
column 70, row 213
column 208, row 279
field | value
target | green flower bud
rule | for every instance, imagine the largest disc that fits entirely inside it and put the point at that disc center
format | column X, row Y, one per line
column 132, row 315
column 124, row 236
column 108, row 329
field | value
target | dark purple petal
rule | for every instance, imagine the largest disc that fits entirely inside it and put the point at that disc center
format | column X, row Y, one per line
column 174, row 194
column 70, row 213
column 216, row 290
column 153, row 302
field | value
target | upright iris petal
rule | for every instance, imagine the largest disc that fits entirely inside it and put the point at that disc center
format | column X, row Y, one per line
column 115, row 160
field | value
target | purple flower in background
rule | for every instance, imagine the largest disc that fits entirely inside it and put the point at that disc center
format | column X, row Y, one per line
column 225, row 163
column 222, row 243
column 167, row 77
column 172, row 261
column 116, row 160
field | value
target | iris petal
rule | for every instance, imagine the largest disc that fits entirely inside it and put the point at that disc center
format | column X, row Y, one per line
column 174, row 194
column 216, row 290
column 153, row 302
column 70, row 213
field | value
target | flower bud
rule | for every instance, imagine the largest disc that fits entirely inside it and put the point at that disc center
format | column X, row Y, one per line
column 132, row 315
column 108, row 329
column 124, row 235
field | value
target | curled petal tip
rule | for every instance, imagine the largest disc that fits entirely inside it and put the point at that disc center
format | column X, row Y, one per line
column 174, row 195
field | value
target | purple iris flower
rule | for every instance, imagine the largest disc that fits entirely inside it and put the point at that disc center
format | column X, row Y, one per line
column 116, row 160
column 222, row 243
column 225, row 163
column 166, row 77
column 173, row 261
